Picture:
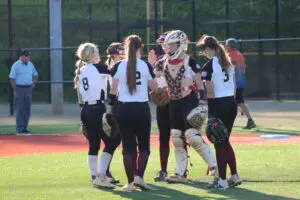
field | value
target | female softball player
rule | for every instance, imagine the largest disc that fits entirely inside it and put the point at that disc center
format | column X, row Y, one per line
column 162, row 112
column 91, row 87
column 218, row 75
column 131, row 79
column 182, row 73
column 115, row 53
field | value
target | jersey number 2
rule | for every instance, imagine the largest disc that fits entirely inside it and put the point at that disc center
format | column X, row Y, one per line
column 138, row 78
column 85, row 83
column 226, row 78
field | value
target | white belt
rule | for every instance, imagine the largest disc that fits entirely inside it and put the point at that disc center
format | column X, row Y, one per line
column 93, row 102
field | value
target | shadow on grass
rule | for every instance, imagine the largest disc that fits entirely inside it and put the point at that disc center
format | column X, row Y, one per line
column 159, row 192
column 238, row 193
column 261, row 130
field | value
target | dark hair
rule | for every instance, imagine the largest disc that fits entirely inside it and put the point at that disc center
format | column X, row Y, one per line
column 132, row 44
column 115, row 48
column 212, row 43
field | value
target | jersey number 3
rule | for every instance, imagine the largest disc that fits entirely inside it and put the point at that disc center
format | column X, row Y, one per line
column 138, row 78
column 226, row 78
column 85, row 83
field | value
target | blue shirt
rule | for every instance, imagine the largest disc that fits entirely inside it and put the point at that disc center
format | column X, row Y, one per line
column 22, row 73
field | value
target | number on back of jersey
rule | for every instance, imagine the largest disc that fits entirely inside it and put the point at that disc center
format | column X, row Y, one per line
column 85, row 83
column 226, row 75
column 138, row 78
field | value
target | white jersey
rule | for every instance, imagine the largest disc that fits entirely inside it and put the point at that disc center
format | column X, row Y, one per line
column 221, row 79
column 90, row 83
column 144, row 73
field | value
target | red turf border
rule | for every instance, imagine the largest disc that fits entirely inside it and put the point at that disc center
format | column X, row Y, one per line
column 18, row 145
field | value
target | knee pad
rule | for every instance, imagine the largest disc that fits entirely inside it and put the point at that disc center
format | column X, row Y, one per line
column 197, row 117
column 177, row 138
column 195, row 140
column 180, row 152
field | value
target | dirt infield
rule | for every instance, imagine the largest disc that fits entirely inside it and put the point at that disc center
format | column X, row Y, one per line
column 60, row 143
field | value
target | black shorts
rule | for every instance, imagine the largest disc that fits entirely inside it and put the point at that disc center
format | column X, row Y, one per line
column 134, row 119
column 239, row 95
column 179, row 110
column 225, row 109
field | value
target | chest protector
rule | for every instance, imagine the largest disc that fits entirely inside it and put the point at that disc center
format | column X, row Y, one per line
column 179, row 78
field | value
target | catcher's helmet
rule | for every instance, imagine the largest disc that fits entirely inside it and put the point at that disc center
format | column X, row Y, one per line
column 181, row 39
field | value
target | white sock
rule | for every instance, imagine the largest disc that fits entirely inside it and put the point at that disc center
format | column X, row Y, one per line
column 105, row 159
column 92, row 163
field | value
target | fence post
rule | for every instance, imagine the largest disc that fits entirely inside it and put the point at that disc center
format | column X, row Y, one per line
column 155, row 19
column 227, row 16
column 10, row 58
column 194, row 26
column 277, row 68
column 118, row 20
column 149, row 24
column 56, row 56
column 90, row 16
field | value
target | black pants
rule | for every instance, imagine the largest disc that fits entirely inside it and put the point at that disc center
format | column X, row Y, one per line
column 179, row 110
column 163, row 123
column 239, row 95
column 91, row 117
column 225, row 109
column 134, row 121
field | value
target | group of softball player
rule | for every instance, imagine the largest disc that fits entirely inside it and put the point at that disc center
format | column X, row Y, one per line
column 114, row 98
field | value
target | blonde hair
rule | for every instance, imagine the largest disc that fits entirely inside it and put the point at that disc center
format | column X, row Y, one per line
column 84, row 52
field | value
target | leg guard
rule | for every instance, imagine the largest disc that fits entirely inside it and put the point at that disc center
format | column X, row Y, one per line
column 180, row 152
column 195, row 140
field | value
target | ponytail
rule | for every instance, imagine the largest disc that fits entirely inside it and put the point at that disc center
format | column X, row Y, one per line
column 224, row 58
column 131, row 67
column 211, row 42
column 78, row 65
column 132, row 44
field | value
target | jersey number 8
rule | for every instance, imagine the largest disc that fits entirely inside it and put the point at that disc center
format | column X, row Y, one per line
column 226, row 78
column 85, row 83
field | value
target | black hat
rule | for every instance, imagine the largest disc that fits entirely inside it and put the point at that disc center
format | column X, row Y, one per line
column 25, row 53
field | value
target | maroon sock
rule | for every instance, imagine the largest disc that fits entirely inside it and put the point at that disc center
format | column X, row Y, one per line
column 231, row 158
column 142, row 163
column 164, row 151
column 135, row 157
column 128, row 161
column 221, row 161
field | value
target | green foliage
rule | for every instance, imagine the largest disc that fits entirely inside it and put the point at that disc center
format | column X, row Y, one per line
column 30, row 25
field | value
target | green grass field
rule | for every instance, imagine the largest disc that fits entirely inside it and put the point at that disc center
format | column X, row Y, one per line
column 271, row 172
